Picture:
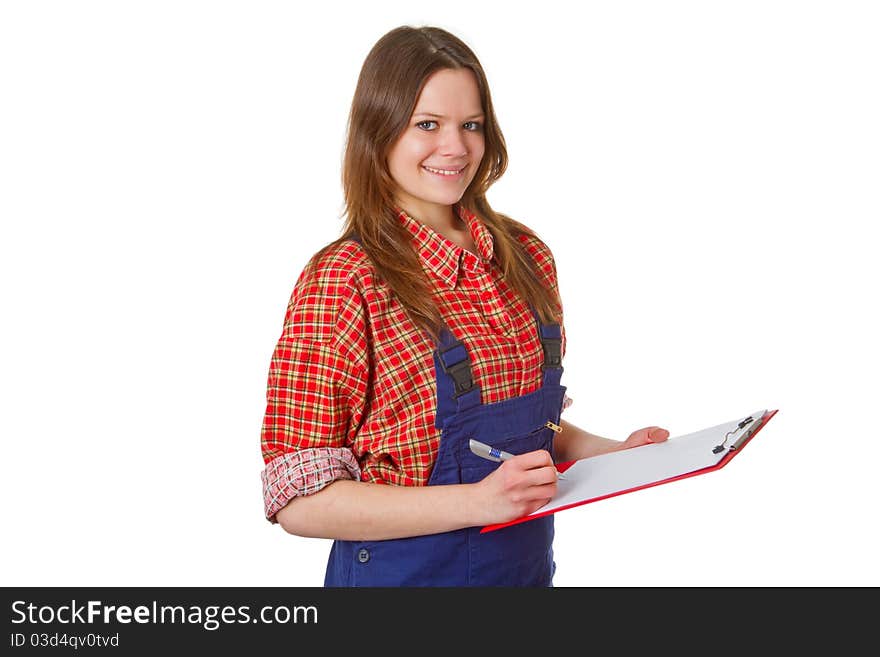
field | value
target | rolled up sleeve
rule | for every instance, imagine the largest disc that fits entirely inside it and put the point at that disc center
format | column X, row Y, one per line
column 304, row 472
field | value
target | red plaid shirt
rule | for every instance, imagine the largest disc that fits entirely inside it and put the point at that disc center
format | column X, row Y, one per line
column 352, row 392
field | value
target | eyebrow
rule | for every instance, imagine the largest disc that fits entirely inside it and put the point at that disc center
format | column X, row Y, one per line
column 440, row 116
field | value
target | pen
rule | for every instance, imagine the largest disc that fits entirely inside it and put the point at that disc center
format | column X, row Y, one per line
column 488, row 452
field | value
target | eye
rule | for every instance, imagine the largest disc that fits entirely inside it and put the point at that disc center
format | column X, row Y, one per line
column 477, row 126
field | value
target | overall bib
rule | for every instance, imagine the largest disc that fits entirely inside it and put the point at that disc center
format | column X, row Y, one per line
column 519, row 555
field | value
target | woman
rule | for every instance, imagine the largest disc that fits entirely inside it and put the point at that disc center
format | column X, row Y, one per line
column 431, row 321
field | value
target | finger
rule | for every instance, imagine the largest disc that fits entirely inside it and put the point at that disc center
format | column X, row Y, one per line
column 542, row 476
column 536, row 459
column 543, row 493
column 639, row 437
column 657, row 435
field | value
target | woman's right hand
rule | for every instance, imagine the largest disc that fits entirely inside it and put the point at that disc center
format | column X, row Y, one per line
column 516, row 488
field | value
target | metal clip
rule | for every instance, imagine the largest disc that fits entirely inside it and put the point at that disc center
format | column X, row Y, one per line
column 720, row 448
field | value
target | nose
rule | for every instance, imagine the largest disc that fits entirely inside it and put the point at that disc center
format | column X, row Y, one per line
column 452, row 143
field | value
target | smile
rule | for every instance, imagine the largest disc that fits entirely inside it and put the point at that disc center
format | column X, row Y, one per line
column 445, row 172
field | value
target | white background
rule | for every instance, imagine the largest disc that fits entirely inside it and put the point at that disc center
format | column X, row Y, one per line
column 706, row 174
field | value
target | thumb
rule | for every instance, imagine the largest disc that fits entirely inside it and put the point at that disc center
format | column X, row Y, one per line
column 657, row 435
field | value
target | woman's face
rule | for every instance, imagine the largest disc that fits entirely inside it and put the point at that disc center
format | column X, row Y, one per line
column 445, row 133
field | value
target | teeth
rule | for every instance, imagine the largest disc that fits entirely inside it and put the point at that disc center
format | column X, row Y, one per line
column 443, row 172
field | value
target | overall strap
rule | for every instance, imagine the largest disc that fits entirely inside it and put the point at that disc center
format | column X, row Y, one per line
column 456, row 389
column 551, row 341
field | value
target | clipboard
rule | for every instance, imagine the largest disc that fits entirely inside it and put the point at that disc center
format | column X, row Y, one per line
column 608, row 475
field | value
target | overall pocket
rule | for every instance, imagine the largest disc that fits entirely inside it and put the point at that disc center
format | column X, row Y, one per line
column 474, row 468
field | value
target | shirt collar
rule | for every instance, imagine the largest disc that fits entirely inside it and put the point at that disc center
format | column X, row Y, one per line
column 446, row 258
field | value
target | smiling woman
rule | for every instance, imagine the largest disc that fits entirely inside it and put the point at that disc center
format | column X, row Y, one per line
column 433, row 320
column 434, row 161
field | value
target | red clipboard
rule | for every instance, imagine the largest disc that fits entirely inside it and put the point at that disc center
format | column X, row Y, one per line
column 726, row 458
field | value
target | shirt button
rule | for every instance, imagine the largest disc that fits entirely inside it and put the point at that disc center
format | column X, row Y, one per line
column 363, row 555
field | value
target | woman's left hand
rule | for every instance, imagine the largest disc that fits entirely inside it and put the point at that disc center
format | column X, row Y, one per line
column 645, row 436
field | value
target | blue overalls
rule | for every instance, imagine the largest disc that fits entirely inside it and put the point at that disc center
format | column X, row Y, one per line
column 517, row 555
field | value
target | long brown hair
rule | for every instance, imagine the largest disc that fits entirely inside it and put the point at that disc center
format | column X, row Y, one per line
column 391, row 79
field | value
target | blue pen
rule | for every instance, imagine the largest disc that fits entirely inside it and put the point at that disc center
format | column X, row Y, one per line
column 488, row 452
